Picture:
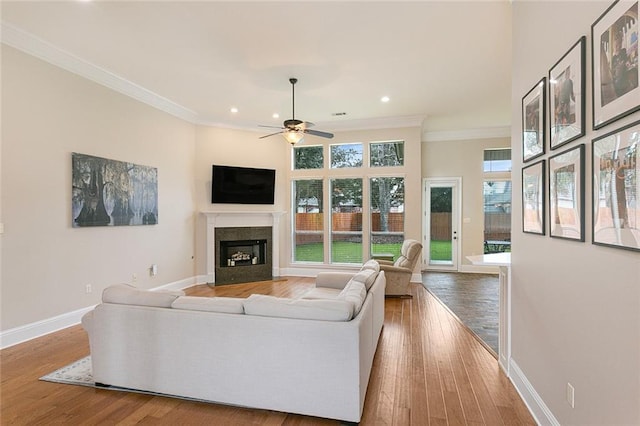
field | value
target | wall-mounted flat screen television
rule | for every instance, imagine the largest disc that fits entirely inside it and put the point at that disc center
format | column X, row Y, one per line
column 242, row 185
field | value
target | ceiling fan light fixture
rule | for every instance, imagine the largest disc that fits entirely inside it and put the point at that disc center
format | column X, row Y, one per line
column 293, row 136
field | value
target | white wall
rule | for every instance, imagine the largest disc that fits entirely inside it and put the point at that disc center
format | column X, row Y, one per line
column 48, row 113
column 464, row 158
column 575, row 306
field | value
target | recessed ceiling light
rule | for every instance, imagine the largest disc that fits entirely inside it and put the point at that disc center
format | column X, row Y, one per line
column 234, row 110
column 276, row 115
column 384, row 99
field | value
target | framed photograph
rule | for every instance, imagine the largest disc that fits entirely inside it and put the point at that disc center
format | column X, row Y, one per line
column 566, row 96
column 616, row 188
column 566, row 194
column 533, row 198
column 615, row 63
column 533, row 121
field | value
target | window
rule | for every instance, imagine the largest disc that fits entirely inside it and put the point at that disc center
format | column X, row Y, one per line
column 343, row 187
column 346, row 155
column 497, row 160
column 346, row 220
column 497, row 216
column 387, row 154
column 308, row 157
column 387, row 215
column 308, row 221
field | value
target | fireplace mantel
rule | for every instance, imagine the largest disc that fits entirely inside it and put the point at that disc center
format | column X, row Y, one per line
column 223, row 219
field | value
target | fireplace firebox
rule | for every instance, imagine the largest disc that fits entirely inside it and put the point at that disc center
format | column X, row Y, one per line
column 242, row 253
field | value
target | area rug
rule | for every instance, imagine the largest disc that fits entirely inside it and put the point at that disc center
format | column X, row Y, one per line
column 79, row 373
column 76, row 373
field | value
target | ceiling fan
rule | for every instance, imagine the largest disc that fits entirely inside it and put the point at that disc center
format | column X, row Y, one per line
column 294, row 130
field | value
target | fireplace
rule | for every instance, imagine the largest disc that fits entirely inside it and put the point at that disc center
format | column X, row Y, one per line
column 242, row 226
column 243, row 254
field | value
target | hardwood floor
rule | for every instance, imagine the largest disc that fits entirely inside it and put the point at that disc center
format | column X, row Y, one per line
column 428, row 370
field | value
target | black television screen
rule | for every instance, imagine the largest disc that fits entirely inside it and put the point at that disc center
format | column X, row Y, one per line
column 242, row 185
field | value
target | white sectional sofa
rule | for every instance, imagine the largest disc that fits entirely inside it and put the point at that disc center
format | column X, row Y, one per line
column 311, row 355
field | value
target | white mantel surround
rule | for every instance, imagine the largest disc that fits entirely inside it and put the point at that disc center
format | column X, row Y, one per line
column 228, row 219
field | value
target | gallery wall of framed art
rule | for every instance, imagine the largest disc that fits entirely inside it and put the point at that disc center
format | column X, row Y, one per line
column 555, row 110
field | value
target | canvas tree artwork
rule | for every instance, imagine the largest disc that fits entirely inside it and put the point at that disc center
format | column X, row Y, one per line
column 112, row 193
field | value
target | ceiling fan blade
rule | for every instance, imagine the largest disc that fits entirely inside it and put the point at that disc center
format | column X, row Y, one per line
column 319, row 133
column 266, row 136
column 308, row 124
column 271, row 127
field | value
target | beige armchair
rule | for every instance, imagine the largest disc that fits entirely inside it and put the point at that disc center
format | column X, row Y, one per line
column 399, row 273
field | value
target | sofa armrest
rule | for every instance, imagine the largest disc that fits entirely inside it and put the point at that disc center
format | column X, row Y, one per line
column 395, row 269
column 333, row 279
column 384, row 262
column 87, row 321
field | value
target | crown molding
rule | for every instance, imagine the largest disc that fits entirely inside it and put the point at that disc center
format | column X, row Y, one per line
column 34, row 46
column 468, row 134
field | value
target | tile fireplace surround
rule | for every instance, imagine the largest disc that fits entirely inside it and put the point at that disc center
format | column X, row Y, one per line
column 227, row 219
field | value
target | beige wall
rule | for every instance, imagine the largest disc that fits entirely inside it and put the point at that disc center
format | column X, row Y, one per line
column 242, row 148
column 48, row 113
column 575, row 306
column 464, row 158
column 230, row 147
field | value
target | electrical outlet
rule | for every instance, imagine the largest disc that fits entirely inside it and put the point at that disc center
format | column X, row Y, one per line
column 570, row 395
column 88, row 289
column 134, row 277
column 153, row 271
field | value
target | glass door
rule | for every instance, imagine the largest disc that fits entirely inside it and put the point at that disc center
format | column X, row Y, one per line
column 442, row 223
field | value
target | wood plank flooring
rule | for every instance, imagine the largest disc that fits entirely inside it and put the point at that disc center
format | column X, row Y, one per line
column 428, row 370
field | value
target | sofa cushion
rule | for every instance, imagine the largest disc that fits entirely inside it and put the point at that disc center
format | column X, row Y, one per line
column 316, row 309
column 366, row 277
column 229, row 305
column 371, row 264
column 354, row 292
column 321, row 293
column 126, row 294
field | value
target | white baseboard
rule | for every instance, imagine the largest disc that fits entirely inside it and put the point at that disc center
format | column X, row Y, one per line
column 181, row 284
column 537, row 407
column 41, row 328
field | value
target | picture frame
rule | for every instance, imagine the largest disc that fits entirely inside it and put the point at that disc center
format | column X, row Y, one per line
column 107, row 192
column 533, row 198
column 615, row 70
column 566, row 194
column 615, row 162
column 533, row 121
column 567, row 85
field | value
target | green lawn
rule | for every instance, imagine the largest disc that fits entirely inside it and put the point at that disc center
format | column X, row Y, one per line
column 342, row 252
column 345, row 252
column 441, row 250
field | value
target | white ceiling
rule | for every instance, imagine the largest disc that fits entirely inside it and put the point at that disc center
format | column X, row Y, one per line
column 448, row 62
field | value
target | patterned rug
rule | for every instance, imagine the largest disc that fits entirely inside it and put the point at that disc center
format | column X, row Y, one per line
column 76, row 373
column 79, row 373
